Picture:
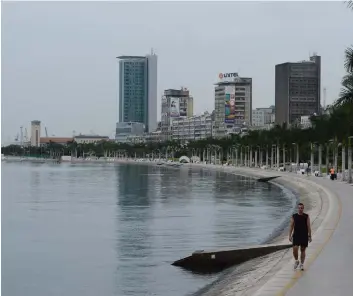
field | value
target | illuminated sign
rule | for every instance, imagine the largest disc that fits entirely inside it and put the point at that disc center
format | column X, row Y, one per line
column 227, row 75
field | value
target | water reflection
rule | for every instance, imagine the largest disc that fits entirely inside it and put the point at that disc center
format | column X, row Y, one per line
column 133, row 235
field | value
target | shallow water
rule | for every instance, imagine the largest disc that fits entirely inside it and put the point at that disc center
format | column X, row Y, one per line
column 115, row 229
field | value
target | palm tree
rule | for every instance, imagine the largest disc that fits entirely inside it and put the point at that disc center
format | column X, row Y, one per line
column 346, row 94
column 350, row 4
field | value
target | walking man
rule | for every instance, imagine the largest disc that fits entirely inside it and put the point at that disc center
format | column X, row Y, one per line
column 300, row 235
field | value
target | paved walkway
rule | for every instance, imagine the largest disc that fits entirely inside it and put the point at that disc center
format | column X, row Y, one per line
column 331, row 273
column 329, row 264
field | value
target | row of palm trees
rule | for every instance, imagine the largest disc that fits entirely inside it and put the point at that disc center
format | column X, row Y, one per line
column 329, row 133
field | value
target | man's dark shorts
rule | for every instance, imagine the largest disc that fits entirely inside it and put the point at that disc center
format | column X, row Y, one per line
column 300, row 241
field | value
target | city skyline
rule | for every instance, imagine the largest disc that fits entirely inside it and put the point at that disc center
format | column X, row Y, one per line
column 67, row 76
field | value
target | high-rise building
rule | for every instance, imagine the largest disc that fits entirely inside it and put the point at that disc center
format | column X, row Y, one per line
column 35, row 133
column 138, row 90
column 297, row 89
column 176, row 103
column 233, row 102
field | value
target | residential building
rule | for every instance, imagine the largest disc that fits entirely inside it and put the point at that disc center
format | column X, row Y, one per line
column 233, row 103
column 192, row 128
column 89, row 139
column 262, row 116
column 297, row 89
column 125, row 130
column 138, row 90
column 35, row 133
column 176, row 103
column 152, row 137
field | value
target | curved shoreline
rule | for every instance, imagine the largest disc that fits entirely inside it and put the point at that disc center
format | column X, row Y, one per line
column 272, row 274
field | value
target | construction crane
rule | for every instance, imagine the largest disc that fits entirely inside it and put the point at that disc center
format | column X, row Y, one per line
column 26, row 136
column 21, row 139
column 46, row 132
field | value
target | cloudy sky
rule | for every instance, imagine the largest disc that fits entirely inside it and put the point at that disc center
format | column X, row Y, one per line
column 59, row 66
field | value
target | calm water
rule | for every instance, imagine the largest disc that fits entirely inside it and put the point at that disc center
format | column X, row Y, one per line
column 85, row 230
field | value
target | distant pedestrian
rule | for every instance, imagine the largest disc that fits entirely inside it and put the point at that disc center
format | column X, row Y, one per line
column 300, row 235
column 332, row 174
column 308, row 169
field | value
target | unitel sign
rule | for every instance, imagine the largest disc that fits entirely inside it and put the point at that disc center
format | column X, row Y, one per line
column 227, row 75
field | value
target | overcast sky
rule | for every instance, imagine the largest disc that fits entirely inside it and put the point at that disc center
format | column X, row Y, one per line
column 59, row 66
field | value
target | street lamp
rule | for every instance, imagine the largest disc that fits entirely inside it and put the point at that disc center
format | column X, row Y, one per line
column 349, row 160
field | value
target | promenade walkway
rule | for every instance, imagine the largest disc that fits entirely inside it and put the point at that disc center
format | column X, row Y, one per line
column 331, row 273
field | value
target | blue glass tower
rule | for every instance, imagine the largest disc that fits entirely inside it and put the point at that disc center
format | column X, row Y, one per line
column 138, row 90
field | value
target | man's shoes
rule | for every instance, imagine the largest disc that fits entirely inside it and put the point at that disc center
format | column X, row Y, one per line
column 296, row 263
column 301, row 266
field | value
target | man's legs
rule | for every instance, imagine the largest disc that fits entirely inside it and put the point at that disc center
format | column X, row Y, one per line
column 295, row 252
column 302, row 254
column 295, row 255
column 302, row 257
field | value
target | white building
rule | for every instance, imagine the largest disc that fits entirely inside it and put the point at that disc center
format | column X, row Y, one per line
column 192, row 128
column 90, row 139
column 35, row 133
column 262, row 116
column 176, row 103
column 233, row 102
column 126, row 130
column 305, row 122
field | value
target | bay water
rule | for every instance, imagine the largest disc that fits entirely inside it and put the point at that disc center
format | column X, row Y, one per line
column 115, row 229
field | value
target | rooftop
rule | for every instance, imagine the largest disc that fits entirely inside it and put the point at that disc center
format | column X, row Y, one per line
column 47, row 140
column 91, row 137
column 123, row 57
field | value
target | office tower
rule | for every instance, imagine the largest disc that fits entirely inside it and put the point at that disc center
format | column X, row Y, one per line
column 297, row 90
column 138, row 90
column 233, row 102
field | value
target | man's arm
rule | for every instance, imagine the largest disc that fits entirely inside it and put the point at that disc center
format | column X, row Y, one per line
column 309, row 227
column 291, row 227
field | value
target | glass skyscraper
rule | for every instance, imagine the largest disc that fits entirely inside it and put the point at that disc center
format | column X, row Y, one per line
column 138, row 90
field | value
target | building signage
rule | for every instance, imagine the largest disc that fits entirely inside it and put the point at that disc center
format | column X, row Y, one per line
column 174, row 107
column 229, row 104
column 227, row 75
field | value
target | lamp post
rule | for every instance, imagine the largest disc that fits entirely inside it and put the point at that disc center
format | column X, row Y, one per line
column 349, row 160
column 312, row 156
column 320, row 159
column 272, row 150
